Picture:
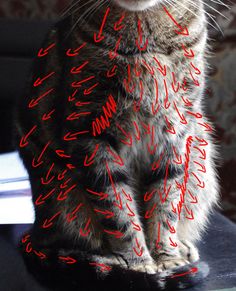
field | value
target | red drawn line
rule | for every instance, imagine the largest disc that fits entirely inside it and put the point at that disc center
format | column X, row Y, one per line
column 103, row 267
column 49, row 222
column 139, row 42
column 43, row 52
column 67, row 260
column 39, row 81
column 73, row 215
column 84, row 232
column 41, row 199
column 69, row 52
column 191, row 271
column 47, row 180
column 38, row 162
column 24, row 142
column 63, row 195
column 100, row 194
column 88, row 161
column 35, row 102
column 99, row 37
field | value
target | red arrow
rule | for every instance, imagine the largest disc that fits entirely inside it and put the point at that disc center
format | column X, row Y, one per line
column 70, row 166
column 118, row 160
column 195, row 81
column 112, row 72
column 173, row 244
column 47, row 180
column 189, row 212
column 23, row 141
column 49, row 222
column 108, row 214
column 84, row 232
column 90, row 89
column 75, row 115
column 61, row 176
column 136, row 226
column 149, row 68
column 202, row 141
column 113, row 184
column 197, row 71
column 138, row 252
column 72, row 96
column 80, row 104
column 63, row 195
column 25, row 238
column 120, row 204
column 156, row 165
column 74, row 136
column 127, row 135
column 173, row 209
column 41, row 199
column 103, row 267
column 149, row 213
column 67, row 260
column 100, row 194
column 151, row 147
column 207, row 126
column 65, row 184
column 99, row 37
column 161, row 69
column 77, row 70
column 195, row 114
column 178, row 160
column 41, row 255
column 47, row 116
column 186, row 101
column 35, row 102
column 118, row 26
column 171, row 228
column 28, row 247
column 61, row 153
column 116, row 233
column 43, row 52
column 148, row 196
column 200, row 184
column 182, row 30
column 139, row 42
column 128, row 197
column 89, row 161
column 39, row 81
column 203, row 153
column 194, row 198
column 173, row 84
column 192, row 270
column 78, row 84
column 38, row 162
column 73, row 215
column 147, row 127
column 202, row 167
column 170, row 128
column 69, row 52
column 188, row 54
column 131, row 213
column 114, row 54
column 182, row 117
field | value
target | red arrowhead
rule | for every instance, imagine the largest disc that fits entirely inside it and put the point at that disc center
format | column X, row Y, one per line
column 202, row 152
column 100, row 194
column 118, row 26
column 43, row 52
column 173, row 244
column 189, row 212
column 69, row 52
column 41, row 199
column 136, row 226
column 48, row 115
column 73, row 215
column 131, row 213
column 39, row 81
column 118, row 160
column 170, row 128
column 173, row 209
column 99, row 37
column 138, row 252
column 90, row 90
column 116, row 233
column 47, row 180
column 202, row 141
column 89, row 161
column 77, row 70
column 207, row 126
column 35, row 102
column 171, row 228
column 63, row 195
column 75, row 115
column 23, row 141
column 38, row 162
column 148, row 196
column 127, row 135
column 86, row 231
column 182, row 30
column 112, row 72
column 161, row 69
column 149, row 213
column 128, row 197
column 194, row 198
column 67, row 260
column 61, row 153
column 186, row 101
column 40, row 255
column 25, row 238
column 49, row 222
column 188, row 54
column 73, row 136
column 28, row 247
column 108, row 214
column 178, row 160
column 103, row 267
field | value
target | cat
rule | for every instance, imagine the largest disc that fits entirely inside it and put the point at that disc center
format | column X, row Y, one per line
column 120, row 156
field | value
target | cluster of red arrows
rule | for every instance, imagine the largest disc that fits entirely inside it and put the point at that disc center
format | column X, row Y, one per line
column 103, row 122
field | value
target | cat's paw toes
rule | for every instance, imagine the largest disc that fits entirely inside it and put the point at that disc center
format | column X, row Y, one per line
column 188, row 251
column 149, row 268
column 168, row 264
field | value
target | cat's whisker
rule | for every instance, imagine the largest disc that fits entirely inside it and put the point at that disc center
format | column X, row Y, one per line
column 217, row 11
column 65, row 12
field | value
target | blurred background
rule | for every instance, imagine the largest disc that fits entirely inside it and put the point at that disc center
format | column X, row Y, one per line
column 23, row 24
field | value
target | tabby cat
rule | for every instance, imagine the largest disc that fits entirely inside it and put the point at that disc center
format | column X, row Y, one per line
column 120, row 156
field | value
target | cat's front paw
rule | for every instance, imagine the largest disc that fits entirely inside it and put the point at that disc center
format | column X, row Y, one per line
column 170, row 263
column 145, row 267
column 188, row 251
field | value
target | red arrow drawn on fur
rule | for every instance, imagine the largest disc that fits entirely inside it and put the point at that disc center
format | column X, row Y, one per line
column 149, row 213
column 80, row 104
column 63, row 195
column 197, row 71
column 138, row 252
column 78, row 84
column 202, row 152
column 74, row 136
column 112, row 182
column 44, row 51
column 186, row 101
column 131, row 213
column 112, row 72
column 88, row 161
column 113, row 54
column 147, row 127
column 100, row 194
column 182, row 30
column 84, row 232
column 171, row 228
column 173, row 244
column 191, row 271
column 65, row 184
column 61, row 153
column 72, row 96
column 38, row 162
column 188, row 54
column 49, row 222
column 202, row 167
column 118, row 160
column 128, row 197
column 77, row 70
column 173, row 209
column 200, row 184
column 120, row 204
column 157, row 243
column 182, row 117
column 41, row 199
column 173, row 84
column 67, row 260
column 194, row 198
column 170, row 128
column 108, row 214
column 195, row 114
column 99, row 37
column 207, row 126
column 189, row 212
column 103, row 267
column 139, row 42
column 160, row 68
column 47, row 180
column 89, row 90
column 156, row 165
column 185, row 84
column 74, row 53
column 24, row 142
column 202, row 141
column 73, row 215
column 75, row 115
column 25, row 238
column 195, row 81
column 115, row 233
column 70, row 166
column 148, row 196
column 127, row 135
column 41, row 255
column 39, row 81
column 178, row 160
column 136, row 226
column 35, row 102
column 48, row 115
column 151, row 147
column 148, row 67
column 118, row 26
column 28, row 247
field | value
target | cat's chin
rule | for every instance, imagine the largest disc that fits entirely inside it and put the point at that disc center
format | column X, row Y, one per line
column 136, row 5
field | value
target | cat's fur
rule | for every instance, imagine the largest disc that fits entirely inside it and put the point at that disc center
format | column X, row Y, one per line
column 135, row 177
